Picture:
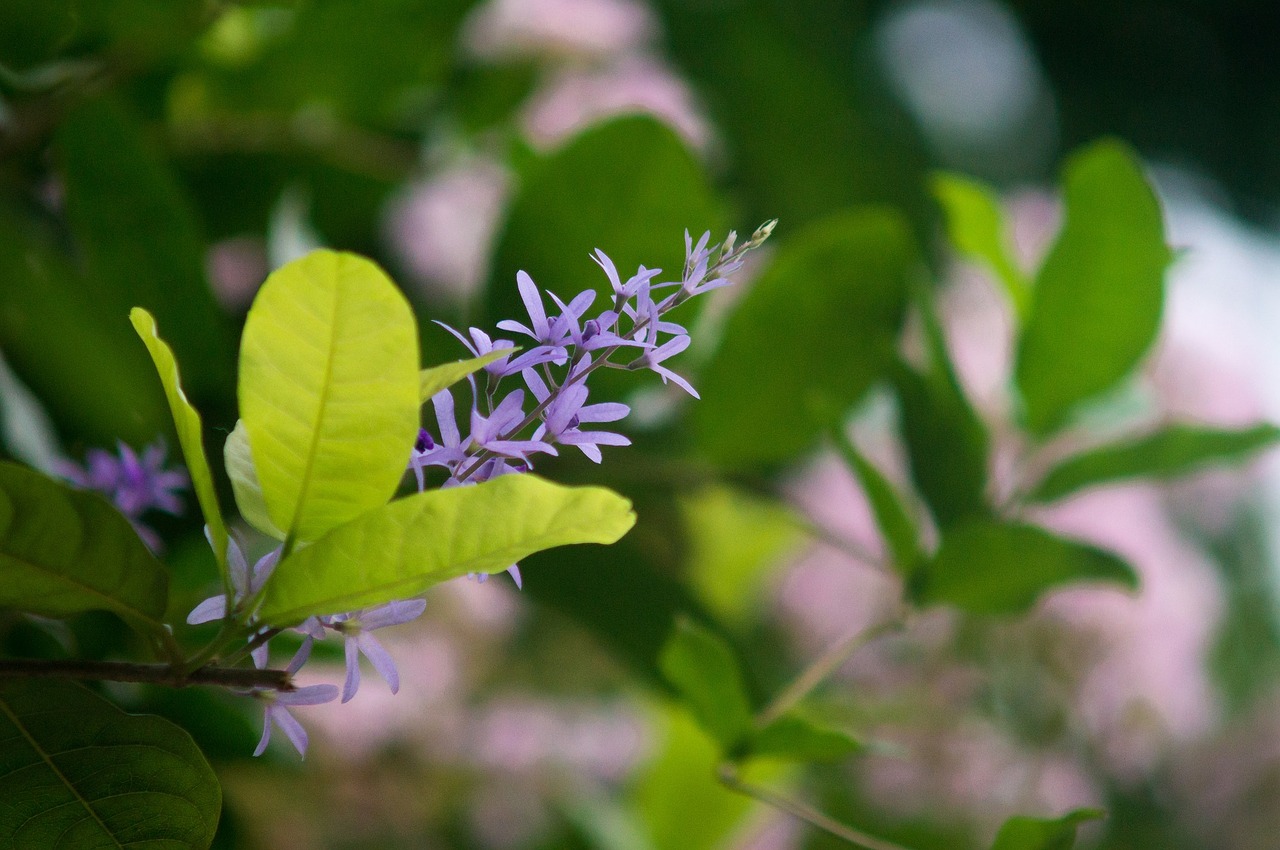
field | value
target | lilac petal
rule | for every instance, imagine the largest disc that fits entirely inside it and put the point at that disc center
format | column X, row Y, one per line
column 610, row 270
column 667, row 374
column 260, row 655
column 608, row 411
column 393, row 614
column 462, row 339
column 515, row 327
column 535, row 357
column 266, row 731
column 380, row 659
column 446, row 418
column 300, row 657
column 599, row 438
column 292, row 729
column 536, row 385
column 520, row 448
column 213, row 608
column 592, row 452
column 561, row 411
column 533, row 303
column 310, row 695
column 352, row 683
column 514, row 572
column 668, row 349
column 262, row 571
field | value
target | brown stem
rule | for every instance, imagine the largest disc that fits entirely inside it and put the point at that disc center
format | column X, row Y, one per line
column 155, row 674
column 728, row 776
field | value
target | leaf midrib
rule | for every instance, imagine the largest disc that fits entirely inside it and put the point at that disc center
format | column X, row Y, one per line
column 309, row 459
column 48, row 760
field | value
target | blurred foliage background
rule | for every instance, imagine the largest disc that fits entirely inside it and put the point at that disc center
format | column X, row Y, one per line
column 171, row 154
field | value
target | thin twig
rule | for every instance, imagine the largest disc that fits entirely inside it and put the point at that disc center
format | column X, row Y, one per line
column 822, row 667
column 728, row 776
column 154, row 674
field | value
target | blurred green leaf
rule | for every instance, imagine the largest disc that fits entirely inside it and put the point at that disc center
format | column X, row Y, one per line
column 947, row 442
column 75, row 771
column 1023, row 833
column 892, row 517
column 705, row 673
column 990, row 567
column 977, row 229
column 437, row 378
column 139, row 238
column 1172, row 451
column 796, row 737
column 93, row 377
column 35, row 32
column 400, row 550
column 64, row 552
column 238, row 459
column 190, row 433
column 328, row 390
column 735, row 541
column 812, row 334
column 1098, row 296
column 628, row 187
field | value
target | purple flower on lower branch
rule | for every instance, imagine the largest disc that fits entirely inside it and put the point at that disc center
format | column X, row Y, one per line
column 568, row 410
column 278, row 704
column 355, row 628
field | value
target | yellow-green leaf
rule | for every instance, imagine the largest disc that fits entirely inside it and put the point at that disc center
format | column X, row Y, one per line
column 244, row 482
column 328, row 390
column 190, row 433
column 437, row 378
column 399, row 550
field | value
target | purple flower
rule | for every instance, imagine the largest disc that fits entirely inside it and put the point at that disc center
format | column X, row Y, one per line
column 540, row 328
column 623, row 292
column 133, row 484
column 245, row 583
column 568, row 410
column 480, row 345
column 278, row 704
column 355, row 628
column 653, row 359
column 494, row 433
column 450, row 451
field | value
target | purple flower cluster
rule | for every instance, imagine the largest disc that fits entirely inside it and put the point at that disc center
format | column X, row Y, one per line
column 506, row 427
column 134, row 483
column 505, row 431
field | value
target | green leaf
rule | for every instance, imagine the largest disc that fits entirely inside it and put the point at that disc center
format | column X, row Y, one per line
column 1098, row 296
column 118, row 191
column 569, row 204
column 244, row 482
column 1167, row 453
column 1024, row 833
column 976, row 227
column 947, row 442
column 704, row 671
column 63, row 552
column 75, row 771
column 989, row 567
column 328, row 390
column 190, row 433
column 437, row 378
column 812, row 334
column 892, row 517
column 798, row 738
column 403, row 548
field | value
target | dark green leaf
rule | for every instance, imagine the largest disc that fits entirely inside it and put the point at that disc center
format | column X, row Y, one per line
column 894, row 520
column 1098, row 296
column 997, row 568
column 629, row 187
column 947, row 443
column 976, row 228
column 704, row 671
column 814, row 332
column 92, row 376
column 798, row 738
column 140, row 240
column 63, row 552
column 1023, row 833
column 75, row 771
column 1169, row 452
